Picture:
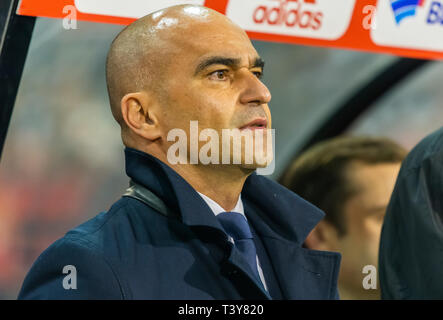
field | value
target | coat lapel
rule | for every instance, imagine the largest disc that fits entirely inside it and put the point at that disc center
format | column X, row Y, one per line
column 303, row 273
column 283, row 220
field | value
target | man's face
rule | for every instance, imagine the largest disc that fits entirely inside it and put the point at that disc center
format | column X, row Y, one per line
column 213, row 77
column 364, row 213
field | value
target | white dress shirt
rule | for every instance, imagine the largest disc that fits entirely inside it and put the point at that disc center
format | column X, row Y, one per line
column 217, row 209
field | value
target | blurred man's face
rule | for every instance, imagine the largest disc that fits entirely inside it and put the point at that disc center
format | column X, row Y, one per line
column 364, row 213
column 213, row 77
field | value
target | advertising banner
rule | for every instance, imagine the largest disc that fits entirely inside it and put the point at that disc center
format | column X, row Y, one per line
column 410, row 28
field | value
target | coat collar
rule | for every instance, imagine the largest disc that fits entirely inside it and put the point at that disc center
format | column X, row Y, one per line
column 287, row 216
column 167, row 184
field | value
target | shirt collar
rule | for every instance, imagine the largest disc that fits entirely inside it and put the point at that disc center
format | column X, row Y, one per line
column 217, row 209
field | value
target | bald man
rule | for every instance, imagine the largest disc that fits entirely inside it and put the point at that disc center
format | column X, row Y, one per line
column 188, row 228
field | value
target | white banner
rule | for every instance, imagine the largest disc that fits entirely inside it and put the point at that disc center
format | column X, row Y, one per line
column 400, row 24
column 319, row 19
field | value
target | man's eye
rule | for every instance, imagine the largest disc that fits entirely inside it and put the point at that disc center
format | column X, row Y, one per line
column 218, row 75
column 258, row 74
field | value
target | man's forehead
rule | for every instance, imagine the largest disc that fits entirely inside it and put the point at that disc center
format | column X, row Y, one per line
column 188, row 39
column 203, row 46
column 216, row 31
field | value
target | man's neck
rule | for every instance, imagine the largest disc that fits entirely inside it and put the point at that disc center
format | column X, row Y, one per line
column 221, row 184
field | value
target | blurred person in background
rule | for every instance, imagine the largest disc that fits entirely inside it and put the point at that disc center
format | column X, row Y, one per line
column 411, row 245
column 351, row 179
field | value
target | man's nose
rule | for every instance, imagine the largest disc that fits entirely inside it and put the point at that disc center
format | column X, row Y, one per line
column 254, row 92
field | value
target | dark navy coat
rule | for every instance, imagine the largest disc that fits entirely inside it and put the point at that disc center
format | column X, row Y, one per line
column 411, row 245
column 134, row 252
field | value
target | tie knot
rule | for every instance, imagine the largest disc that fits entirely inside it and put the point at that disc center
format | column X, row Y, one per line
column 235, row 224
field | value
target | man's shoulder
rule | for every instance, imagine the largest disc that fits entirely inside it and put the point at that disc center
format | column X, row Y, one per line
column 91, row 229
column 106, row 233
column 96, row 250
column 428, row 149
column 68, row 264
column 126, row 217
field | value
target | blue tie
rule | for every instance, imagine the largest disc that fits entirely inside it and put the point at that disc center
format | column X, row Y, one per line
column 237, row 227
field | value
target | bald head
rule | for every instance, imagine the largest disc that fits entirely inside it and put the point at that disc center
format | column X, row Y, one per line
column 141, row 54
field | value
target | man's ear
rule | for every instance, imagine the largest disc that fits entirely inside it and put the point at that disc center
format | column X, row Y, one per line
column 323, row 237
column 140, row 115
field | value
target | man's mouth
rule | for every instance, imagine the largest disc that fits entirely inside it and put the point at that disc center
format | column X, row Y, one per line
column 257, row 124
